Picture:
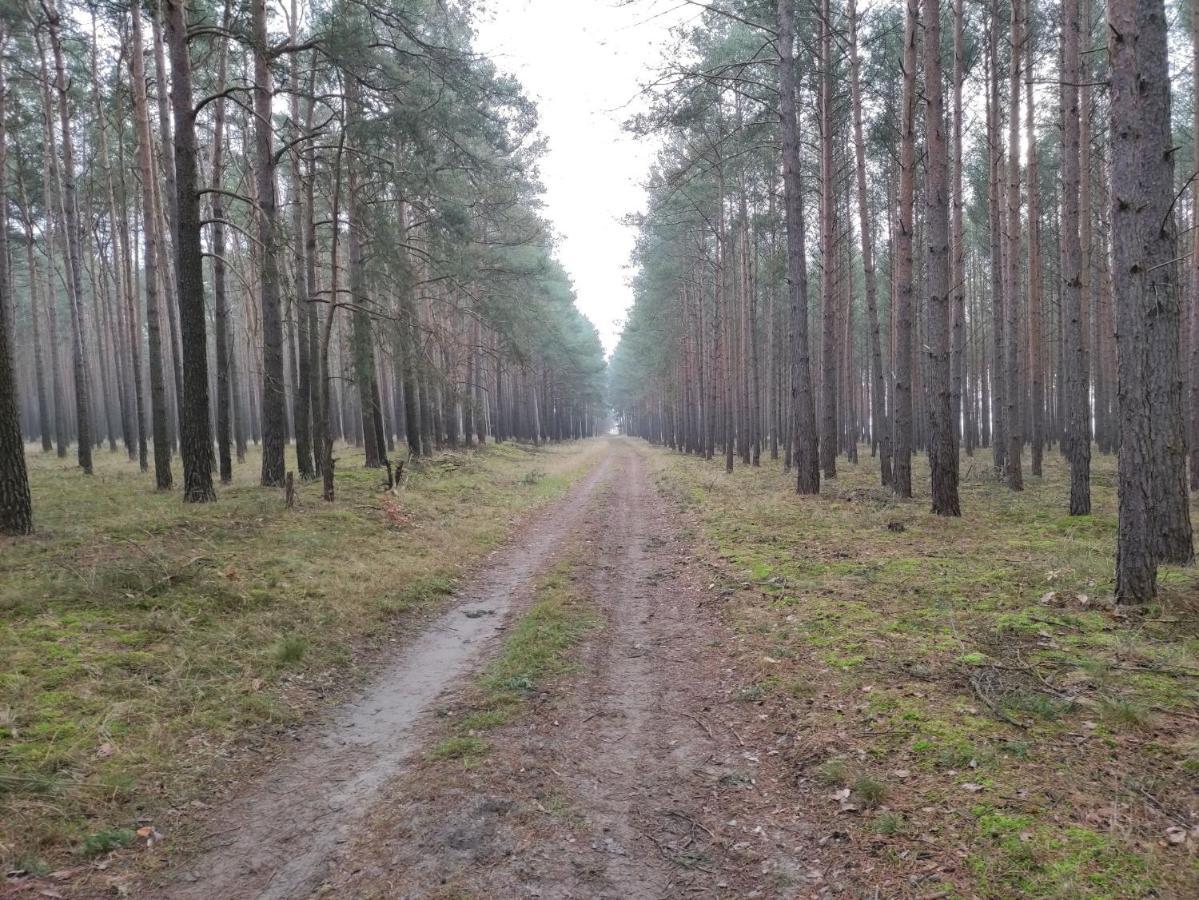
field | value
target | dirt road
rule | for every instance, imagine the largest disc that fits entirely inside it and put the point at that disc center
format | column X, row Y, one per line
column 631, row 780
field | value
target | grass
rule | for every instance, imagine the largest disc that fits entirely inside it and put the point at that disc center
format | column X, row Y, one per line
column 979, row 656
column 145, row 641
column 537, row 650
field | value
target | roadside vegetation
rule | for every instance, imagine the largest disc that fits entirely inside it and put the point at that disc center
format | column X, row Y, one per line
column 146, row 642
column 968, row 711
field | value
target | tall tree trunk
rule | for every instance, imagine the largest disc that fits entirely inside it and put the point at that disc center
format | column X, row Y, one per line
column 364, row 353
column 145, row 161
column 903, row 251
column 74, row 240
column 806, row 440
column 16, row 506
column 1013, row 389
column 274, row 419
column 1152, row 474
column 166, row 197
column 1035, row 370
column 828, row 303
column 998, row 410
column 219, row 292
column 195, row 435
column 302, row 403
column 957, row 241
column 942, row 448
column 1077, row 438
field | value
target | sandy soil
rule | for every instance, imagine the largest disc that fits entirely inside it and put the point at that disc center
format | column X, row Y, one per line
column 642, row 773
column 638, row 776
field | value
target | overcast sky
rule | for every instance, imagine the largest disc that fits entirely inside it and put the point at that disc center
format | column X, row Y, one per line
column 583, row 62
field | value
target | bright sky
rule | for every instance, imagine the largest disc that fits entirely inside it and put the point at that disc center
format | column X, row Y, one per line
column 584, row 61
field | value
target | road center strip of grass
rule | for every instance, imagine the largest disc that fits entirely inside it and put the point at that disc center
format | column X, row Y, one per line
column 144, row 642
column 968, row 714
column 537, row 650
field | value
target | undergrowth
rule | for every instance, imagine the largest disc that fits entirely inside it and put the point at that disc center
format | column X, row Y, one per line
column 968, row 678
column 145, row 641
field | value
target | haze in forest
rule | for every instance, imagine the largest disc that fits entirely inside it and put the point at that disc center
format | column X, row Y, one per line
column 599, row 448
column 584, row 62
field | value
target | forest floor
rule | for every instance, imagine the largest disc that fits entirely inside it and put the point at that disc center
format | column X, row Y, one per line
column 669, row 682
column 151, row 649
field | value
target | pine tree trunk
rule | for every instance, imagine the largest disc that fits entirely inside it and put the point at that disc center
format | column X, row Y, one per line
column 805, row 440
column 998, row 406
column 828, row 303
column 158, row 403
column 16, row 507
column 903, row 251
column 74, row 238
column 219, row 286
column 1152, row 476
column 1035, row 371
column 195, row 435
column 1013, row 389
column 957, row 279
column 274, row 418
column 1077, row 437
column 942, row 448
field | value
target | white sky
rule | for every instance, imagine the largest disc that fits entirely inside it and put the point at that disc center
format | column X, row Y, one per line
column 583, row 61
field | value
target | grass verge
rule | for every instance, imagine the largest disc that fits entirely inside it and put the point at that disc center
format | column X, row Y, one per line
column 994, row 726
column 146, row 642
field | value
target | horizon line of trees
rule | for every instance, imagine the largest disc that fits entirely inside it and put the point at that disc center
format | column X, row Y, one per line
column 934, row 227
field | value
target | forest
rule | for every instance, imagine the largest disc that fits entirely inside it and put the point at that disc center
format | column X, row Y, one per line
column 956, row 230
column 224, row 231
column 346, row 552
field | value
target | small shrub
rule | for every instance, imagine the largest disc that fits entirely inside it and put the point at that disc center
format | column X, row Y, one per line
column 870, row 791
column 889, row 824
column 290, row 649
column 833, row 771
column 106, row 841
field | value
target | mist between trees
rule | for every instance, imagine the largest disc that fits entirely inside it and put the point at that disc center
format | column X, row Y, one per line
column 952, row 228
column 289, row 224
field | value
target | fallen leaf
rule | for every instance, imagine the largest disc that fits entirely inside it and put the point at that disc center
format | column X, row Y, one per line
column 972, row 787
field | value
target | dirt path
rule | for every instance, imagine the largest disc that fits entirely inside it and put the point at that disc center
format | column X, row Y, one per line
column 276, row 839
column 634, row 781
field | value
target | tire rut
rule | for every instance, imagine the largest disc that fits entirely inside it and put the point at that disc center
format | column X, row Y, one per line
column 285, row 828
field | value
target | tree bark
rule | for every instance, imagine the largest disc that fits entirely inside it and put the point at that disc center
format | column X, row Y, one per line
column 219, row 281
column 1013, row 389
column 903, row 251
column 16, row 506
column 806, row 440
column 942, row 448
column 1151, row 483
column 158, row 402
column 1077, row 434
column 274, row 419
column 195, row 435
column 74, row 240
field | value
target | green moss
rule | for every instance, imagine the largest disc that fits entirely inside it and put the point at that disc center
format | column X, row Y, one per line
column 467, row 748
column 1035, row 860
